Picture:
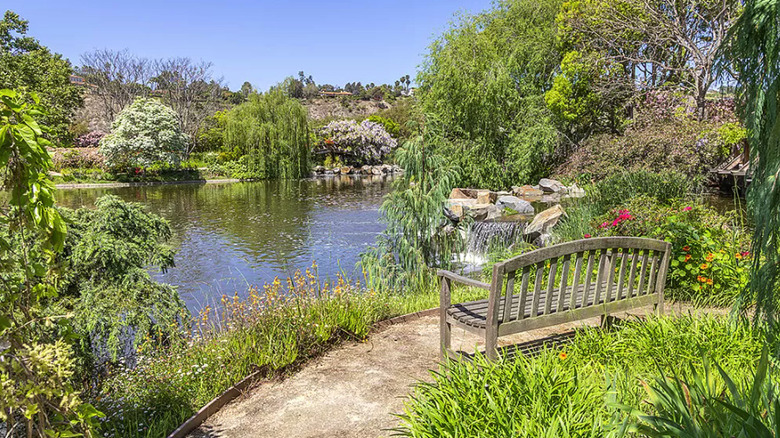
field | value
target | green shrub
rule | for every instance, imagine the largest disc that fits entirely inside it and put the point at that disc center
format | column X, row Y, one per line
column 392, row 128
column 710, row 258
column 620, row 187
column 563, row 391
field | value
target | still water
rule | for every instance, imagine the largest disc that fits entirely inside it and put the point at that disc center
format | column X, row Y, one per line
column 229, row 236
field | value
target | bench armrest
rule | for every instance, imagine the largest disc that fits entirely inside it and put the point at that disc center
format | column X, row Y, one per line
column 462, row 280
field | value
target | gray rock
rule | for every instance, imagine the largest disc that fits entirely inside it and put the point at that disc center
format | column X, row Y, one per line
column 526, row 191
column 576, row 192
column 376, row 170
column 336, row 170
column 515, row 203
column 481, row 212
column 551, row 185
column 319, row 169
column 397, row 168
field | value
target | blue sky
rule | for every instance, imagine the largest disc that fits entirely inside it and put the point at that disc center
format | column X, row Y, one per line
column 261, row 42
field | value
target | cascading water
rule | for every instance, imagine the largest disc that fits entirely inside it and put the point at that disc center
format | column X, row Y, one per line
column 487, row 235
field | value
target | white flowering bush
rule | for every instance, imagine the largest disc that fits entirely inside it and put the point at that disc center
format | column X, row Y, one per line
column 365, row 142
column 144, row 133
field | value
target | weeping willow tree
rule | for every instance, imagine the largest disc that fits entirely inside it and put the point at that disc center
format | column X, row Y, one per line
column 272, row 131
column 418, row 235
column 755, row 54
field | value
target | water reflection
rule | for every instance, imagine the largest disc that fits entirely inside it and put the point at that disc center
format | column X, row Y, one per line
column 232, row 235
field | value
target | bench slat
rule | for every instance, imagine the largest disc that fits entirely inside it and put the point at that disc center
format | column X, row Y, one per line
column 600, row 280
column 611, row 276
column 622, row 276
column 632, row 273
column 643, row 273
column 564, row 282
column 653, row 273
column 538, row 285
column 576, row 281
column 508, row 296
column 588, row 276
column 550, row 284
column 523, row 292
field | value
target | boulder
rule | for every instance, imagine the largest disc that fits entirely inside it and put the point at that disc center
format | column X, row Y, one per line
column 336, row 170
column 503, row 193
column 486, row 197
column 576, row 192
column 526, row 191
column 319, row 169
column 551, row 185
column 365, row 169
column 397, row 168
column 455, row 212
column 481, row 212
column 376, row 170
column 543, row 222
column 346, row 170
column 461, row 201
column 461, row 194
column 516, row 204
column 386, row 168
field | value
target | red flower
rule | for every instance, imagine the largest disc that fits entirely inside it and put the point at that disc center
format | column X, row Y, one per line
column 686, row 248
column 687, row 208
column 587, row 236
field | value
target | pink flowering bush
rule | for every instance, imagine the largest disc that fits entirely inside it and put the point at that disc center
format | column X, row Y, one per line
column 90, row 139
column 360, row 143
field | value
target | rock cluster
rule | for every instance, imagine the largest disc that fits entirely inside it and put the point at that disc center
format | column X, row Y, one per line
column 379, row 169
column 486, row 205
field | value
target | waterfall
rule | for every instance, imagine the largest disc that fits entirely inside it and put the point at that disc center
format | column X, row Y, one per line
column 484, row 235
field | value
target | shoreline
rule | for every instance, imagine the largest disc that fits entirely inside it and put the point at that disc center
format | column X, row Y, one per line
column 111, row 185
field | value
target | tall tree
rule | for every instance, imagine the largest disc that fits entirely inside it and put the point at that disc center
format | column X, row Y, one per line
column 755, row 54
column 657, row 41
column 27, row 65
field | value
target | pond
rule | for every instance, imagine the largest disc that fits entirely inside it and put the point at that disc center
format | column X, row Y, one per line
column 232, row 235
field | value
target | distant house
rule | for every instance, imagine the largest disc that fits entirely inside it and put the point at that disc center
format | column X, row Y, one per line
column 77, row 80
column 334, row 93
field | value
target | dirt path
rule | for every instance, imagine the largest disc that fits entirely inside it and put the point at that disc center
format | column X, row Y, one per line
column 354, row 390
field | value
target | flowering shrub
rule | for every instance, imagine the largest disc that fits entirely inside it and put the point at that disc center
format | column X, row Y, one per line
column 90, row 139
column 366, row 142
column 144, row 133
column 710, row 260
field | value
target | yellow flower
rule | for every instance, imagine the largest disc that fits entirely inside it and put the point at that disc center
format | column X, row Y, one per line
column 704, row 266
column 562, row 355
column 709, row 257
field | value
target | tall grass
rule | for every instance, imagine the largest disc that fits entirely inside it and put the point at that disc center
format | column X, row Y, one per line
column 274, row 329
column 563, row 391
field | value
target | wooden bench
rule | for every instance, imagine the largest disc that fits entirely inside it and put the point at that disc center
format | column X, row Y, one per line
column 562, row 283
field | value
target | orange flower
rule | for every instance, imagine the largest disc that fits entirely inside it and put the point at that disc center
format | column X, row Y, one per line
column 686, row 248
column 562, row 355
column 704, row 266
column 700, row 278
column 709, row 257
column 738, row 256
column 687, row 257
column 709, row 281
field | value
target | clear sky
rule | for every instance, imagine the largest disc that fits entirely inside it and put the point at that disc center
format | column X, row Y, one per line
column 261, row 42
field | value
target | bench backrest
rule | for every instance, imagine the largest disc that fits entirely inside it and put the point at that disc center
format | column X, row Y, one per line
column 578, row 274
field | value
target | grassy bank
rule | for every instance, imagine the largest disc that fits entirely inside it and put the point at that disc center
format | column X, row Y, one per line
column 274, row 329
column 574, row 391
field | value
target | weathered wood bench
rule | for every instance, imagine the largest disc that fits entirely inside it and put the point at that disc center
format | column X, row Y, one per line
column 562, row 283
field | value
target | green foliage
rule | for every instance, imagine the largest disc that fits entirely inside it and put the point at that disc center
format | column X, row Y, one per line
column 36, row 394
column 563, row 391
column 416, row 238
column 710, row 259
column 681, row 143
column 144, row 133
column 272, row 130
column 483, row 81
column 664, row 187
column 28, row 66
column 755, row 54
column 211, row 135
column 107, row 286
column 578, row 107
column 392, row 128
column 703, row 403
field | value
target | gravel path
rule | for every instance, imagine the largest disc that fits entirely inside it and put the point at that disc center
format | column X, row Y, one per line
column 354, row 390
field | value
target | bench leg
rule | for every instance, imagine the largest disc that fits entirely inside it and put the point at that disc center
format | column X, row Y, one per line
column 491, row 344
column 446, row 336
column 659, row 305
column 444, row 327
